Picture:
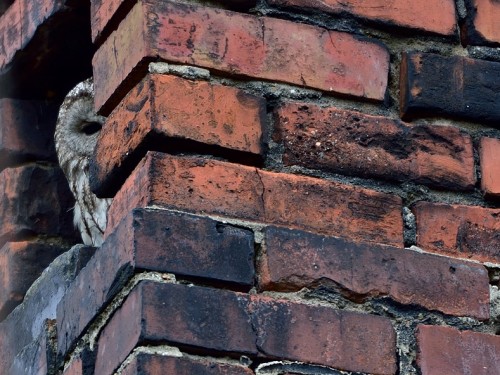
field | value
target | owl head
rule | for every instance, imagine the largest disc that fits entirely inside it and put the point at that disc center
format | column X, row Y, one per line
column 78, row 124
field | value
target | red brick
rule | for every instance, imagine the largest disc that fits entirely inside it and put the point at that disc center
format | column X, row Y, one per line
column 244, row 45
column 230, row 322
column 20, row 265
column 435, row 16
column 19, row 23
column 482, row 26
column 105, row 13
column 454, row 86
column 35, row 200
column 294, row 259
column 162, row 111
column 340, row 339
column 363, row 145
column 26, row 131
column 149, row 364
column 213, row 319
column 489, row 154
column 445, row 350
column 208, row 186
column 161, row 241
column 459, row 231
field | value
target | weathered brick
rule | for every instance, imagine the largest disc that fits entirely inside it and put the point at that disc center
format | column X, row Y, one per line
column 230, row 322
column 20, row 330
column 489, row 153
column 163, row 111
column 446, row 350
column 35, row 200
column 75, row 367
column 38, row 357
column 160, row 241
column 209, row 318
column 435, row 16
column 149, row 364
column 453, row 86
column 208, row 186
column 105, row 13
column 481, row 25
column 295, row 259
column 351, row 142
column 26, row 131
column 239, row 44
column 20, row 265
column 318, row 334
column 459, row 231
column 19, row 23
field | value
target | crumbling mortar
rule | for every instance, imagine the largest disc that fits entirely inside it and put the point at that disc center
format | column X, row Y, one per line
column 89, row 339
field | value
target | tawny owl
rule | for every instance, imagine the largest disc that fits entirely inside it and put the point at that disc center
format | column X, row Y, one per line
column 76, row 134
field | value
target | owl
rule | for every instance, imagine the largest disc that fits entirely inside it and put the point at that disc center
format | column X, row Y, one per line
column 77, row 129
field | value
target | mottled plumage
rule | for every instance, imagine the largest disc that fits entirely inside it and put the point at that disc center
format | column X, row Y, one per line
column 76, row 135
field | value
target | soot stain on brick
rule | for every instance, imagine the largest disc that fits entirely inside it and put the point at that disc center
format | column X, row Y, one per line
column 137, row 106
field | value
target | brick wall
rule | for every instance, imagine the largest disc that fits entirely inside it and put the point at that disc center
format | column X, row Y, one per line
column 300, row 187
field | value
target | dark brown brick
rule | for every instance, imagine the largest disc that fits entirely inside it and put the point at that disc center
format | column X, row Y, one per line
column 212, row 319
column 436, row 16
column 459, row 231
column 149, row 364
column 453, row 86
column 35, row 200
column 489, row 154
column 229, row 322
column 239, row 44
column 26, row 131
column 294, row 259
column 165, row 112
column 21, row 330
column 160, row 241
column 445, row 350
column 340, row 339
column 209, row 186
column 374, row 146
column 481, row 24
column 20, row 265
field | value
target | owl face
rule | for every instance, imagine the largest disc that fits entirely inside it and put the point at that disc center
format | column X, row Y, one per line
column 78, row 125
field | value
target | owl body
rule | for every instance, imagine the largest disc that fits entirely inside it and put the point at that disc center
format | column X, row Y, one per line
column 76, row 134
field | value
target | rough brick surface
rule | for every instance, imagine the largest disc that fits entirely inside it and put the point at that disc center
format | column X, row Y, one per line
column 482, row 26
column 489, row 154
column 355, row 143
column 19, row 23
column 37, row 357
column 105, row 12
column 238, row 44
column 26, row 131
column 75, row 367
column 160, row 241
column 445, row 350
column 231, row 322
column 340, row 339
column 20, row 264
column 35, row 200
column 436, row 16
column 163, row 111
column 20, row 331
column 203, row 317
column 208, row 186
column 459, row 231
column 453, row 86
column 148, row 364
column 295, row 259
